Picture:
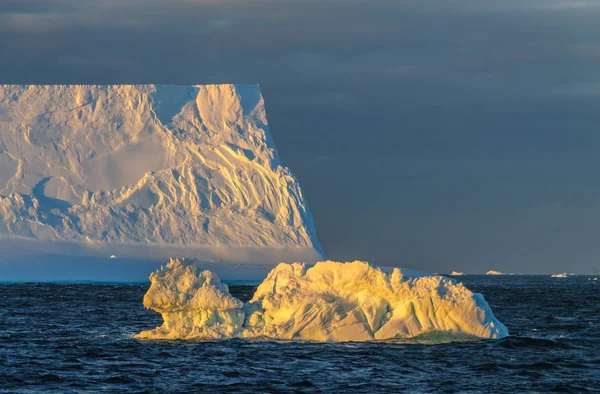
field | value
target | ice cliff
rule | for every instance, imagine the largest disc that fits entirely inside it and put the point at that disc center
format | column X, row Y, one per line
column 187, row 166
column 327, row 302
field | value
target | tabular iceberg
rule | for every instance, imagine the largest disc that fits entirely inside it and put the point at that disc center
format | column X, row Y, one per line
column 135, row 170
column 329, row 301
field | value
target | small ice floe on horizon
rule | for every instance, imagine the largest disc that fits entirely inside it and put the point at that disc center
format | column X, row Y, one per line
column 112, row 256
column 456, row 273
column 329, row 301
column 492, row 272
column 563, row 275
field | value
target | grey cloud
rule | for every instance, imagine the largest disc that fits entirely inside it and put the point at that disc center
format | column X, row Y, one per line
column 581, row 89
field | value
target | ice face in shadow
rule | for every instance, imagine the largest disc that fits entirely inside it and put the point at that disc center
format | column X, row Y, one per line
column 329, row 301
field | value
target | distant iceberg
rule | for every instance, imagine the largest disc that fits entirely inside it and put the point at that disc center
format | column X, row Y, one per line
column 492, row 272
column 329, row 301
column 563, row 275
column 456, row 273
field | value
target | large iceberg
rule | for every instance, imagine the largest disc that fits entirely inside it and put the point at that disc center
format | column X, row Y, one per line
column 146, row 172
column 329, row 301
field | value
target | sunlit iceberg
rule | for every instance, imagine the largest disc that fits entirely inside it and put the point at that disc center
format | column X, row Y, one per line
column 329, row 301
column 492, row 272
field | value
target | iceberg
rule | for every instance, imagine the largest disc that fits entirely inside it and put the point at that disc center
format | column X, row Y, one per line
column 144, row 172
column 456, row 273
column 562, row 275
column 329, row 301
column 492, row 272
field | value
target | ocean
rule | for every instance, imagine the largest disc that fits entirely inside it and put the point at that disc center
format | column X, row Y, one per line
column 79, row 338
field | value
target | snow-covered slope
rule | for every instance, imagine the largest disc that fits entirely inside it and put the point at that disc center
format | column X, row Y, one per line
column 187, row 166
column 330, row 301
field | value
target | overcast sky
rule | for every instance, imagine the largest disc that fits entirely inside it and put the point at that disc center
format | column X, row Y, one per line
column 438, row 135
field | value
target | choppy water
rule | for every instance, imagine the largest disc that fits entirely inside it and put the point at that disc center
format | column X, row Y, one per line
column 73, row 338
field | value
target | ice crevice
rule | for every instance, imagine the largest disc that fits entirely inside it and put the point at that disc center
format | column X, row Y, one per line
column 330, row 301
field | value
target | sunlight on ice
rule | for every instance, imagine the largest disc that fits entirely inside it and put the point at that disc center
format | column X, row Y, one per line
column 329, row 301
column 492, row 272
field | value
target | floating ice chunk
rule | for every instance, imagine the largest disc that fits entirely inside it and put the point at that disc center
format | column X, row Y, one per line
column 329, row 301
column 456, row 273
column 492, row 272
column 563, row 275
column 193, row 304
column 112, row 256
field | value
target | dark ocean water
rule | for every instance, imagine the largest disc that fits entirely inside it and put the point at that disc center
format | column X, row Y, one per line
column 78, row 338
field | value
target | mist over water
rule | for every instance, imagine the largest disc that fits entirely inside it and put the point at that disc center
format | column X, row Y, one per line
column 76, row 337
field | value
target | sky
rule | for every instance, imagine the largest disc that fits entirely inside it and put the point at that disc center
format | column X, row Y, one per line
column 438, row 135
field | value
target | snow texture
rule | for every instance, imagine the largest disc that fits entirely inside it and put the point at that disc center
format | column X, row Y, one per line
column 191, row 166
column 329, row 301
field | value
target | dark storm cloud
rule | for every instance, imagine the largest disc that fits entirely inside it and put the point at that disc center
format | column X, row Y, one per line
column 433, row 134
